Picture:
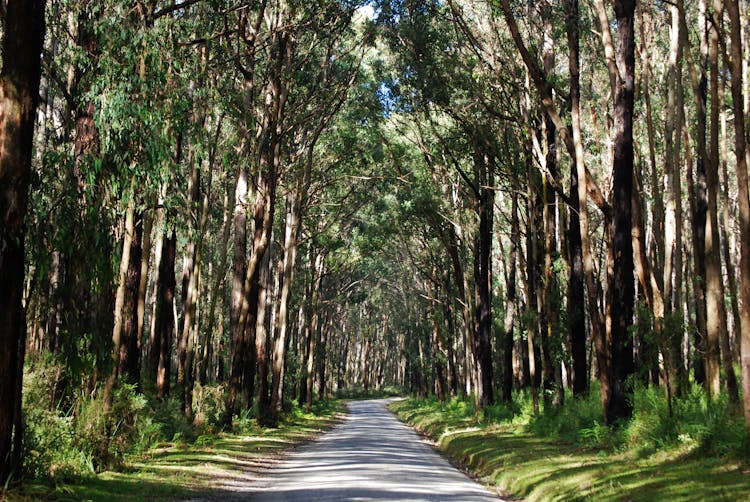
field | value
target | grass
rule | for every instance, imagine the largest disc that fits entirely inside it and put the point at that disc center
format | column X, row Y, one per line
column 512, row 454
column 178, row 470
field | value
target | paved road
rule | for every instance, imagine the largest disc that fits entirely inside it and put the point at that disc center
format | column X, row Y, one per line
column 370, row 456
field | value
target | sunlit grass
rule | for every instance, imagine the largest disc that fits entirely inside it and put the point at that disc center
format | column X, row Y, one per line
column 515, row 456
column 179, row 470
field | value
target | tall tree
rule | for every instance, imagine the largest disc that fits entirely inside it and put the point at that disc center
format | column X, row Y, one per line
column 19, row 95
column 741, row 152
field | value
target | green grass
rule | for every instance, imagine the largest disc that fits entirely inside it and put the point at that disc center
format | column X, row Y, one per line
column 176, row 470
column 512, row 454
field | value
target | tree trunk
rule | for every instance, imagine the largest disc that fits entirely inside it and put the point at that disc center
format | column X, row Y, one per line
column 143, row 285
column 312, row 332
column 19, row 94
column 153, row 340
column 576, row 292
column 238, row 347
column 531, row 283
column 321, row 356
column 552, row 370
column 510, row 308
column 727, row 354
column 190, row 274
column 164, row 316
column 130, row 367
column 216, row 290
column 716, row 319
column 622, row 287
column 698, row 194
column 483, row 277
column 289, row 259
column 120, row 297
column 743, row 198
column 262, row 337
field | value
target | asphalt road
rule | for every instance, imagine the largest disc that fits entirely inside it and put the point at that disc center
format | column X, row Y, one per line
column 369, row 456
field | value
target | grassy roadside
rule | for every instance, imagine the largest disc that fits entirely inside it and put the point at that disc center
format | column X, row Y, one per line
column 177, row 470
column 506, row 454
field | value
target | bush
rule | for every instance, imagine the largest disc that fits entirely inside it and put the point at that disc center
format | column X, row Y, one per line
column 50, row 449
column 713, row 428
column 210, row 406
column 69, row 436
column 171, row 423
column 499, row 412
column 578, row 420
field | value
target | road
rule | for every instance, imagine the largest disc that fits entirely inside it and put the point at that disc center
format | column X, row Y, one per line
column 369, row 456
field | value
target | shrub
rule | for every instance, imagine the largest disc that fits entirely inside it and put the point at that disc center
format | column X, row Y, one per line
column 107, row 437
column 499, row 412
column 578, row 420
column 70, row 436
column 210, row 406
column 712, row 428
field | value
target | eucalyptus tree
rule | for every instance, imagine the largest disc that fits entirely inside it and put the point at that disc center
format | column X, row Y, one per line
column 740, row 108
column 328, row 72
column 23, row 37
column 438, row 70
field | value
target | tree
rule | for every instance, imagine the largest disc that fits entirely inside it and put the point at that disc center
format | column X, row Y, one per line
column 19, row 96
column 621, row 283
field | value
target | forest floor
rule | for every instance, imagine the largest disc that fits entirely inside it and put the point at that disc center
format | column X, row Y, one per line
column 218, row 463
column 521, row 464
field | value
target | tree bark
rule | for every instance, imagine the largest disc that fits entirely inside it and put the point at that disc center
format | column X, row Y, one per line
column 217, row 288
column 147, row 222
column 727, row 354
column 321, row 357
column 117, row 330
column 743, row 198
column 622, row 287
column 314, row 333
column 510, row 304
column 698, row 194
column 531, row 285
column 262, row 338
column 164, row 316
column 190, row 274
column 238, row 347
column 289, row 259
column 716, row 319
column 19, row 95
column 576, row 292
column 129, row 366
column 483, row 277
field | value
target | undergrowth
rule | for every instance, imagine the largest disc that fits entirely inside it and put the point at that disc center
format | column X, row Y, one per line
column 358, row 392
column 714, row 428
column 70, row 438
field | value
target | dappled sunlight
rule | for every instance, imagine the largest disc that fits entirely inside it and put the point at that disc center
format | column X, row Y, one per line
column 370, row 456
column 264, row 438
column 518, row 461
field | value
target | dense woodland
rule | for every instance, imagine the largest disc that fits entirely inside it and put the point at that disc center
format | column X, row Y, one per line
column 227, row 206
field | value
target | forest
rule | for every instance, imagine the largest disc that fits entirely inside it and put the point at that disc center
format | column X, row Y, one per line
column 220, row 210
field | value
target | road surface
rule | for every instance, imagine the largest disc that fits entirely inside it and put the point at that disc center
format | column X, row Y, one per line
column 369, row 456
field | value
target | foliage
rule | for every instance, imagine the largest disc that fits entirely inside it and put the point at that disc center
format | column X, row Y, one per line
column 714, row 429
column 710, row 428
column 595, row 462
column 182, row 470
column 75, row 437
column 358, row 392
column 209, row 406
